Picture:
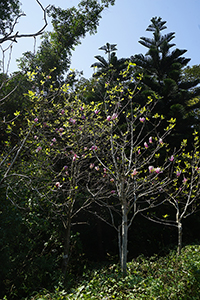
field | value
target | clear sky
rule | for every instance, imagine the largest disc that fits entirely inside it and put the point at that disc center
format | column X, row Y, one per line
column 122, row 24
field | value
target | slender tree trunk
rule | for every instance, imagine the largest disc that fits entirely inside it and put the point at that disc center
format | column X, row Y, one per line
column 179, row 238
column 124, row 240
column 67, row 233
column 120, row 243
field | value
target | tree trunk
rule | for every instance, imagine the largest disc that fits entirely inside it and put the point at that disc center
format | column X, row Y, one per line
column 124, row 240
column 67, row 232
column 179, row 238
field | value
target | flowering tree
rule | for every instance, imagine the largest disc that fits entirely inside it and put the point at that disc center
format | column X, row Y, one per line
column 183, row 192
column 10, row 15
column 132, row 163
column 58, row 154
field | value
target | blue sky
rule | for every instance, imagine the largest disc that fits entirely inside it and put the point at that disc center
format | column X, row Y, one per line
column 122, row 24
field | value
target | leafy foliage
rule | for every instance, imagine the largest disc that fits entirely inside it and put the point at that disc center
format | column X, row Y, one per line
column 9, row 10
column 148, row 278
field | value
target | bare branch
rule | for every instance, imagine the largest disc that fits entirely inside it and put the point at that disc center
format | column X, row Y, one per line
column 16, row 36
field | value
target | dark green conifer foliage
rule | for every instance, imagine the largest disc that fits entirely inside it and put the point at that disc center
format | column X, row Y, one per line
column 112, row 67
column 162, row 73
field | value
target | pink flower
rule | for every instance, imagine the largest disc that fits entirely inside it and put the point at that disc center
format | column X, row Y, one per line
column 151, row 169
column 178, row 173
column 171, row 158
column 82, row 108
column 184, row 180
column 113, row 192
column 65, row 168
column 146, row 145
column 75, row 157
column 38, row 149
column 73, row 121
column 62, row 112
column 36, row 120
column 61, row 129
column 114, row 116
column 160, row 141
column 134, row 173
column 142, row 119
column 57, row 184
column 96, row 111
column 85, row 148
column 97, row 168
column 54, row 140
column 94, row 147
column 104, row 169
column 35, row 137
column 158, row 170
column 112, row 180
column 91, row 166
column 108, row 118
column 139, row 151
column 51, row 144
column 150, row 140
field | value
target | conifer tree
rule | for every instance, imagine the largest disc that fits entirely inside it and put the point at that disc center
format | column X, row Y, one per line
column 162, row 73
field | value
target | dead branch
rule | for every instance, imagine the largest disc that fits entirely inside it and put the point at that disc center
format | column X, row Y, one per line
column 14, row 37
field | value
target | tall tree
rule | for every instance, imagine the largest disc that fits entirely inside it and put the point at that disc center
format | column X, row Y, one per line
column 162, row 73
column 69, row 27
column 9, row 10
column 131, row 163
column 111, row 68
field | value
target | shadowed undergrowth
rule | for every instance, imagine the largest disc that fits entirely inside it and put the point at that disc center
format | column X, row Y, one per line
column 168, row 277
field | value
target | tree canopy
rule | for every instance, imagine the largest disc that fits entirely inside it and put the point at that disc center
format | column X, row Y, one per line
column 102, row 153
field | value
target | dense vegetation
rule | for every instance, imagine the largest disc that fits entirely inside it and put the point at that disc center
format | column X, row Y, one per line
column 99, row 177
column 168, row 277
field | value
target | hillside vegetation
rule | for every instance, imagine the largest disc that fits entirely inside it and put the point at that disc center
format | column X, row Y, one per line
column 168, row 277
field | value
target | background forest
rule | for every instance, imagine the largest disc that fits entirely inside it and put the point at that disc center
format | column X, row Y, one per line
column 99, row 177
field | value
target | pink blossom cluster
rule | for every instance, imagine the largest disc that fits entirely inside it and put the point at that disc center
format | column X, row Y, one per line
column 134, row 173
column 58, row 185
column 73, row 121
column 75, row 156
column 142, row 119
column 38, row 149
column 93, row 166
column 113, row 117
column 156, row 170
column 94, row 147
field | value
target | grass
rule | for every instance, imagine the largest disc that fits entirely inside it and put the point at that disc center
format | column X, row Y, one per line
column 168, row 277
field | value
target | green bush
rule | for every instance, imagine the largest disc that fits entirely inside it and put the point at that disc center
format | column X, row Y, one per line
column 170, row 277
